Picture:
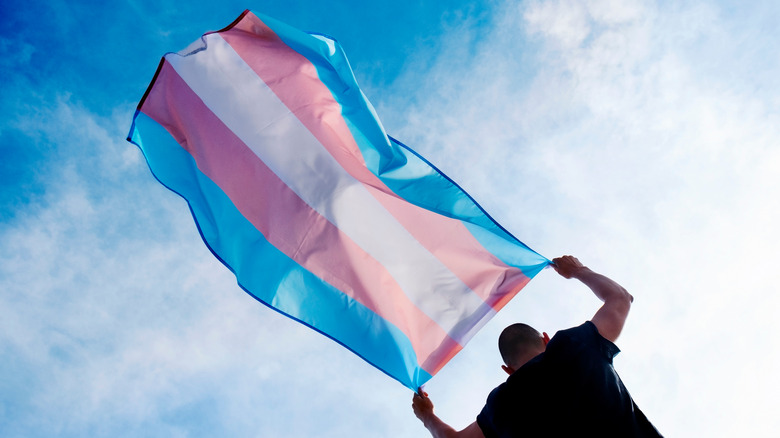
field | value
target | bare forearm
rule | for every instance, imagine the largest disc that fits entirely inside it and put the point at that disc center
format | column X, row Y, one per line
column 603, row 287
column 438, row 428
column 423, row 409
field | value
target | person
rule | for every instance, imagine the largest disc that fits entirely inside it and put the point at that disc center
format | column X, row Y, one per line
column 560, row 387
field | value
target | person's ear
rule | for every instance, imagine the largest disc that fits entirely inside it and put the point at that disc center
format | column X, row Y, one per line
column 546, row 338
column 508, row 370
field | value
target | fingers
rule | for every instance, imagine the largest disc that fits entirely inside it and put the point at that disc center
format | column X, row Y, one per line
column 566, row 265
column 422, row 405
column 564, row 260
column 420, row 398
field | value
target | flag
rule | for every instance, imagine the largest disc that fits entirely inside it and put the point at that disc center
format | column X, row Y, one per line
column 295, row 187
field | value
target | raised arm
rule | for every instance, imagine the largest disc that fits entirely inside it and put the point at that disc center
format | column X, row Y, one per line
column 611, row 317
column 423, row 409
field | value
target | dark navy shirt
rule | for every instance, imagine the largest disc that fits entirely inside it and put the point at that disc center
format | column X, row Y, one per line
column 569, row 390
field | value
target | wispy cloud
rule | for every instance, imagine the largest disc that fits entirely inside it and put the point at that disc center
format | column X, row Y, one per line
column 119, row 321
column 617, row 131
column 639, row 135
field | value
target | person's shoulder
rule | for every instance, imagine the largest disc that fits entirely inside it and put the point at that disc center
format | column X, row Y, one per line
column 585, row 331
column 492, row 411
column 496, row 392
column 582, row 337
column 607, row 347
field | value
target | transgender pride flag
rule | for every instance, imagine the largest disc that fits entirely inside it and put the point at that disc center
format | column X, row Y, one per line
column 298, row 190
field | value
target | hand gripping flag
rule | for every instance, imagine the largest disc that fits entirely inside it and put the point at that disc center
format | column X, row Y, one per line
column 298, row 190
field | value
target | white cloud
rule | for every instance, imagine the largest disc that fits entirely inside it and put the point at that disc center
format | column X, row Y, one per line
column 119, row 321
column 625, row 144
column 564, row 21
column 618, row 131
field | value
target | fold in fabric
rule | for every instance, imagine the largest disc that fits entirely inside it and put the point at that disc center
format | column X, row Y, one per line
column 298, row 190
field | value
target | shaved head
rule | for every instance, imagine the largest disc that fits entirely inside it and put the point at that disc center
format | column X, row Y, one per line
column 518, row 343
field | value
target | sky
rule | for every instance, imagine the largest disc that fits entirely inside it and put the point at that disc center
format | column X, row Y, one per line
column 642, row 136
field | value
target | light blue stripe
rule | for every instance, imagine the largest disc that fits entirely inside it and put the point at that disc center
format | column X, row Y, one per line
column 266, row 273
column 509, row 252
column 404, row 171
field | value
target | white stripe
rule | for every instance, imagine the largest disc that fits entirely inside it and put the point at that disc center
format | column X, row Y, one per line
column 248, row 107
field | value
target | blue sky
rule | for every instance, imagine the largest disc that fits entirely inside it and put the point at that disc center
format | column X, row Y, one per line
column 641, row 135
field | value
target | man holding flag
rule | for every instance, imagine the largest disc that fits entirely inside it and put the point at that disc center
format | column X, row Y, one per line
column 560, row 387
column 297, row 189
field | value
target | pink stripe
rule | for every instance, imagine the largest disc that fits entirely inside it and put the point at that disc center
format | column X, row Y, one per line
column 294, row 79
column 255, row 190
